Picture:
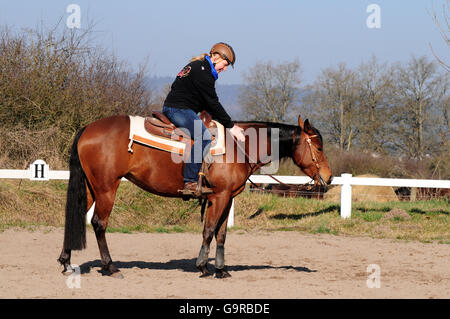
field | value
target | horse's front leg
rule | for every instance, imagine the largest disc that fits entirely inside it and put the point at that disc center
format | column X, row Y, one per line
column 216, row 206
column 221, row 234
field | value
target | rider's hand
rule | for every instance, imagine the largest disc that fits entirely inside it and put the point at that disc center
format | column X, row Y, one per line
column 238, row 133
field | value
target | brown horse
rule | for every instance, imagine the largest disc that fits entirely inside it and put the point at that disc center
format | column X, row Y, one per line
column 100, row 158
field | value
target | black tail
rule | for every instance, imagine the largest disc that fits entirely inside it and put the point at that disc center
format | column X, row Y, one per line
column 76, row 205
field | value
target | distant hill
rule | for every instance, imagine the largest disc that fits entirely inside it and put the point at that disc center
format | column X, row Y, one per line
column 228, row 94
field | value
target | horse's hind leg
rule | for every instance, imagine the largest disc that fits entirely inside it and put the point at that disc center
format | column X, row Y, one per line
column 64, row 258
column 103, row 205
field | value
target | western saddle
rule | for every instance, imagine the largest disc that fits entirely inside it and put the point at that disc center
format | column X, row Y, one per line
column 158, row 124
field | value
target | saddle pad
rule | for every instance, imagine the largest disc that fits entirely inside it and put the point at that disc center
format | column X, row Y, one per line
column 140, row 135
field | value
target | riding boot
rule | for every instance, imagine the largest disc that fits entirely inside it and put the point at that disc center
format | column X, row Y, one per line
column 196, row 190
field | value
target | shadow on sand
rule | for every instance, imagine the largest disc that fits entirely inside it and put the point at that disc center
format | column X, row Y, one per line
column 330, row 209
column 187, row 265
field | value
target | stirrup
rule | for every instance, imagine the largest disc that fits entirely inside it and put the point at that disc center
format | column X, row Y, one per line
column 203, row 190
column 199, row 192
column 202, row 180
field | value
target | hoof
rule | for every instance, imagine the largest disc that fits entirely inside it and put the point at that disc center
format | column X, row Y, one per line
column 117, row 275
column 111, row 271
column 67, row 272
column 222, row 273
column 204, row 270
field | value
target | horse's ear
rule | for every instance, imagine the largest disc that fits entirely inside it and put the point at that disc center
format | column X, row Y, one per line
column 307, row 127
column 300, row 122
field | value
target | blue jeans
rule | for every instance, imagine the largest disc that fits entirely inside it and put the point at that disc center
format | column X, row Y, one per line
column 189, row 121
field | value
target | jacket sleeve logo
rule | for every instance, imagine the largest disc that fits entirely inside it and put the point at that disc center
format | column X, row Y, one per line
column 185, row 72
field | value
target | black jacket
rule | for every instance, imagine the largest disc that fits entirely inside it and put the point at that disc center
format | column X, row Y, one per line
column 194, row 89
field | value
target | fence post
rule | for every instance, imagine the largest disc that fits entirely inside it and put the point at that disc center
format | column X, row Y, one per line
column 346, row 196
column 230, row 222
column 413, row 196
column 90, row 214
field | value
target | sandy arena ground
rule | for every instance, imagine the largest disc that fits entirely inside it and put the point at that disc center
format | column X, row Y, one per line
column 262, row 265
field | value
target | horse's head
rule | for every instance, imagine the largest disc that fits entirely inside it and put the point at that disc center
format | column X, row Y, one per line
column 308, row 154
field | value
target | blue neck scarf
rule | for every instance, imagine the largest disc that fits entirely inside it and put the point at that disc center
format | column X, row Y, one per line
column 213, row 69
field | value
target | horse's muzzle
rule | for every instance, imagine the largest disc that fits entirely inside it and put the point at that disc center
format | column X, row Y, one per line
column 322, row 183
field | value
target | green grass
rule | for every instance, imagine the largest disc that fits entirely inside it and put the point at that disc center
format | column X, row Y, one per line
column 430, row 220
column 27, row 204
column 322, row 229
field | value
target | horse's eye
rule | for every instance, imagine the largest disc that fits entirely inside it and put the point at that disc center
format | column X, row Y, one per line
column 320, row 149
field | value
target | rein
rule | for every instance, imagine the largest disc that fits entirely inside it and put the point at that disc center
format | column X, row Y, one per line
column 294, row 139
column 203, row 202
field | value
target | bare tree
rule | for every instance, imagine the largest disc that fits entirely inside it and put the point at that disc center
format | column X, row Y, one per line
column 421, row 94
column 375, row 85
column 56, row 81
column 271, row 91
column 444, row 29
column 163, row 95
column 333, row 99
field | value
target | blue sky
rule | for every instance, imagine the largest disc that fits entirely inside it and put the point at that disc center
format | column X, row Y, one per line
column 318, row 33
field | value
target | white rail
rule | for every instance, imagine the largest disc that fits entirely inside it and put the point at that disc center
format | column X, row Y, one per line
column 346, row 180
column 40, row 171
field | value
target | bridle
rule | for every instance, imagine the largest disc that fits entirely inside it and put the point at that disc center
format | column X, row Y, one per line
column 313, row 158
column 313, row 154
column 294, row 140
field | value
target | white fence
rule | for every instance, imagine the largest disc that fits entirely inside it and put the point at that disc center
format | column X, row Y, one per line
column 40, row 171
column 346, row 180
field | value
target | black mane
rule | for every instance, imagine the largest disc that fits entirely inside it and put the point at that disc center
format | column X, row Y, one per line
column 286, row 135
column 286, row 132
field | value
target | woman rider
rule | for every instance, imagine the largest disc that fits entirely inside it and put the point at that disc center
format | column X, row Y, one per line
column 192, row 92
